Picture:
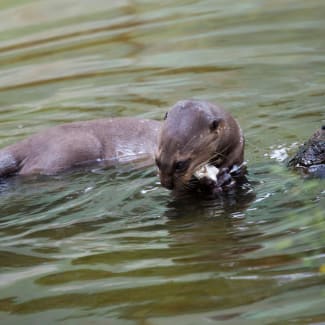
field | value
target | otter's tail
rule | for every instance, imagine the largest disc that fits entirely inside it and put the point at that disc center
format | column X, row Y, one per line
column 8, row 163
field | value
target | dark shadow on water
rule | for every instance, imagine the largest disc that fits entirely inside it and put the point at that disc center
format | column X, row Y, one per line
column 225, row 203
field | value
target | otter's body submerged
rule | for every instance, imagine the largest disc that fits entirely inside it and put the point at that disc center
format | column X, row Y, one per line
column 108, row 141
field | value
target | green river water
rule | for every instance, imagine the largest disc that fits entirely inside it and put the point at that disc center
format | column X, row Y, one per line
column 113, row 246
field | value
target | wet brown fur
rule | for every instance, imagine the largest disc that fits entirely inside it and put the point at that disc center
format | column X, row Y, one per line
column 187, row 135
column 65, row 146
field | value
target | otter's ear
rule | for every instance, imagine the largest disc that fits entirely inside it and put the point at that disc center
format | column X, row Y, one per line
column 166, row 114
column 215, row 124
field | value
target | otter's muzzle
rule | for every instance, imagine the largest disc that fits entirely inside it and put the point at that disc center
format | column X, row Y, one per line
column 167, row 182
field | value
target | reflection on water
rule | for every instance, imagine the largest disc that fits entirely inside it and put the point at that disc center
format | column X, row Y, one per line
column 112, row 245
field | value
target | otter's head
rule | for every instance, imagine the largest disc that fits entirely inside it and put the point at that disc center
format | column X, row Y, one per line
column 196, row 133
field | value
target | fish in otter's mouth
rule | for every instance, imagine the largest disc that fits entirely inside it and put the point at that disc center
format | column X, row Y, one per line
column 218, row 179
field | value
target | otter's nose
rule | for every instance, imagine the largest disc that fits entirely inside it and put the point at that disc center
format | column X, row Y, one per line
column 167, row 181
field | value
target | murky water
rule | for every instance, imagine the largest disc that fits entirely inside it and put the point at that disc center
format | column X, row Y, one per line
column 112, row 246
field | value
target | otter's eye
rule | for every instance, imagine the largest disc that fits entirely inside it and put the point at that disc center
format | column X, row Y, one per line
column 181, row 165
column 215, row 124
column 166, row 114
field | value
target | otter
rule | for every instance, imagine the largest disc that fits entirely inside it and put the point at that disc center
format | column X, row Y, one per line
column 200, row 146
column 310, row 157
column 104, row 141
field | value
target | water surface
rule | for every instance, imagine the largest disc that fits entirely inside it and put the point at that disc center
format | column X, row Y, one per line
column 113, row 245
